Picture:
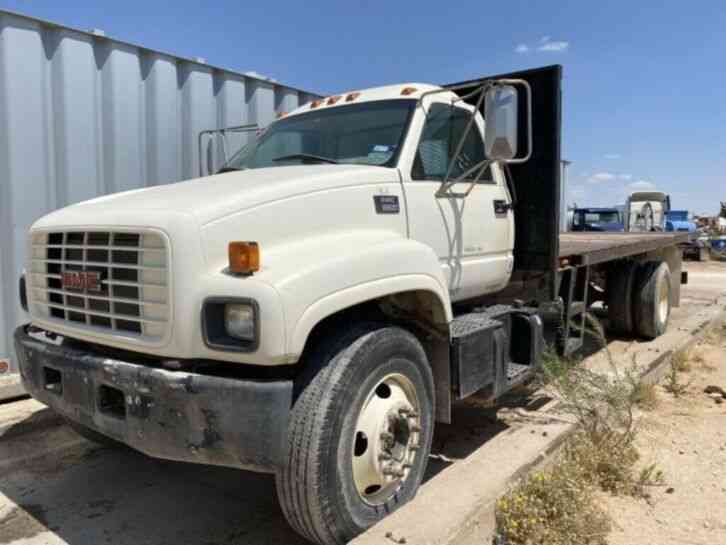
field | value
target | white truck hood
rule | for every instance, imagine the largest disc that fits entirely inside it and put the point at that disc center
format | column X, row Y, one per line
column 214, row 197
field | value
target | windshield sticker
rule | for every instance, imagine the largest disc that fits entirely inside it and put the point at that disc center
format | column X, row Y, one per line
column 381, row 148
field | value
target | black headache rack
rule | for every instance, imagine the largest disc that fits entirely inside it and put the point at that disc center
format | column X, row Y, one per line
column 536, row 191
column 536, row 183
column 497, row 347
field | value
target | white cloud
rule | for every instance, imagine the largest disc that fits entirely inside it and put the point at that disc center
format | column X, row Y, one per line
column 557, row 46
column 612, row 156
column 626, row 177
column 641, row 185
column 601, row 177
column 545, row 43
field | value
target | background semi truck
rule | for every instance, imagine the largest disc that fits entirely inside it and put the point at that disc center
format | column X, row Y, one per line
column 597, row 219
column 680, row 220
column 313, row 309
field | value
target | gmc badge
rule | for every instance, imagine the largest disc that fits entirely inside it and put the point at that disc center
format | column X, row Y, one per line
column 386, row 204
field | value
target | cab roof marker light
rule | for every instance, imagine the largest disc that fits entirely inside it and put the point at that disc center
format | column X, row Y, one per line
column 350, row 97
column 408, row 91
column 333, row 100
column 281, row 114
column 316, row 103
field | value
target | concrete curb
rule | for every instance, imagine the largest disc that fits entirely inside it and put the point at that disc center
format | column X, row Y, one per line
column 11, row 388
column 457, row 505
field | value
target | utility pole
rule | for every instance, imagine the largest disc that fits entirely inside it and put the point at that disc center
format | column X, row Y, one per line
column 563, row 195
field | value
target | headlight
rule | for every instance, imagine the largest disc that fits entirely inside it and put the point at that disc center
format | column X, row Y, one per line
column 231, row 324
column 239, row 321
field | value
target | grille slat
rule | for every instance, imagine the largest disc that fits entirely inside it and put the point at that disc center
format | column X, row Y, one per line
column 75, row 310
column 81, row 263
column 102, row 298
column 98, row 247
column 104, row 282
column 124, row 300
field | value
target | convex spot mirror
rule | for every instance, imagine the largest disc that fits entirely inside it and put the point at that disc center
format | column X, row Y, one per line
column 500, row 116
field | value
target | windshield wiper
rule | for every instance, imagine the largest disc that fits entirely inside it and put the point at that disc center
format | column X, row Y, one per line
column 306, row 156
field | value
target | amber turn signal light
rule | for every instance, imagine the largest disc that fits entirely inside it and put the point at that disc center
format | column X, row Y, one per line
column 244, row 257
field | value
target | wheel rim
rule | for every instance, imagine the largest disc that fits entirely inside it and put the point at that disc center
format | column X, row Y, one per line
column 663, row 302
column 387, row 439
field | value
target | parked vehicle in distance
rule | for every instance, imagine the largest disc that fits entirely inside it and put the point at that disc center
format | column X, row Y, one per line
column 312, row 310
column 718, row 247
column 679, row 220
column 645, row 211
column 597, row 219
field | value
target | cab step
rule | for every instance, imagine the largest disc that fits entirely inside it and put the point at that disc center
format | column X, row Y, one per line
column 495, row 349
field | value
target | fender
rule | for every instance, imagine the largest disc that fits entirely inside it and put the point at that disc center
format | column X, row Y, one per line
column 349, row 270
column 359, row 294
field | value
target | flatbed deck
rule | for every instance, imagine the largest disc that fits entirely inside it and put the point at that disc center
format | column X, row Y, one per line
column 590, row 248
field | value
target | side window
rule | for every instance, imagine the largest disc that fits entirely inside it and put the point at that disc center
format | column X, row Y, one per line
column 442, row 131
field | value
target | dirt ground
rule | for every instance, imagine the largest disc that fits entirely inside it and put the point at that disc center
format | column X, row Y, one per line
column 56, row 488
column 685, row 437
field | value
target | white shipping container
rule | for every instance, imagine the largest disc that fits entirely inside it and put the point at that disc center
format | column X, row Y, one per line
column 82, row 115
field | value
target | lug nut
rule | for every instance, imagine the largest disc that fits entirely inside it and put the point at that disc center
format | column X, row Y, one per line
column 386, row 436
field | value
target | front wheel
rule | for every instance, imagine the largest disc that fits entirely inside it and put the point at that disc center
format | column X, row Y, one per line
column 359, row 434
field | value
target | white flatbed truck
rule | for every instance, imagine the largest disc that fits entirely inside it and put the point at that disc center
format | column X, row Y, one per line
column 315, row 307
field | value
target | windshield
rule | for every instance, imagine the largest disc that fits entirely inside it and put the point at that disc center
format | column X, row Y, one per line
column 369, row 133
column 602, row 217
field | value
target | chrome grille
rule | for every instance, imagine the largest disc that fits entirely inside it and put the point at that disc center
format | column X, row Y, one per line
column 133, row 296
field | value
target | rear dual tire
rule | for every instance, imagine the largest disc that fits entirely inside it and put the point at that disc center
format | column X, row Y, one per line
column 640, row 298
column 654, row 299
column 359, row 434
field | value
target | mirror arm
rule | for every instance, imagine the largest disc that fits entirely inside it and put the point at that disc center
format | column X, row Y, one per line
column 460, row 145
column 443, row 190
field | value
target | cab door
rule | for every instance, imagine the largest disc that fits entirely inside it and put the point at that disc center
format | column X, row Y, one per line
column 473, row 235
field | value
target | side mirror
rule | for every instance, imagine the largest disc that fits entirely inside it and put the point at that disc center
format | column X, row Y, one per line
column 501, row 117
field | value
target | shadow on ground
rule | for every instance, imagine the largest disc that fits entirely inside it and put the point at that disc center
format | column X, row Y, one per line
column 90, row 495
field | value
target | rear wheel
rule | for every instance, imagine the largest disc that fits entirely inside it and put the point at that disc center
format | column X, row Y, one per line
column 652, row 299
column 359, row 434
column 620, row 295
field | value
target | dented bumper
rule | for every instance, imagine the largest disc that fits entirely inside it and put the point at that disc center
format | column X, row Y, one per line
column 175, row 415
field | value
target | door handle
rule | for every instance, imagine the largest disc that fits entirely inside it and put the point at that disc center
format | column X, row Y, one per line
column 501, row 207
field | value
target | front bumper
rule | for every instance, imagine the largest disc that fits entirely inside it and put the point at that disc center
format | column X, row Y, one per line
column 176, row 415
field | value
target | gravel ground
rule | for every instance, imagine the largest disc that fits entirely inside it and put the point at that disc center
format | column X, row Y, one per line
column 686, row 437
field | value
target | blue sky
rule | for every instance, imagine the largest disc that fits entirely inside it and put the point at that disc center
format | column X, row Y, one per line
column 644, row 88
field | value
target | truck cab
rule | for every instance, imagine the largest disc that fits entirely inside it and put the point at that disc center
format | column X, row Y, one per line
column 646, row 211
column 597, row 219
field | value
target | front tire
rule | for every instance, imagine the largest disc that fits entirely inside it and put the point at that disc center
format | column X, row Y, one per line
column 360, row 432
